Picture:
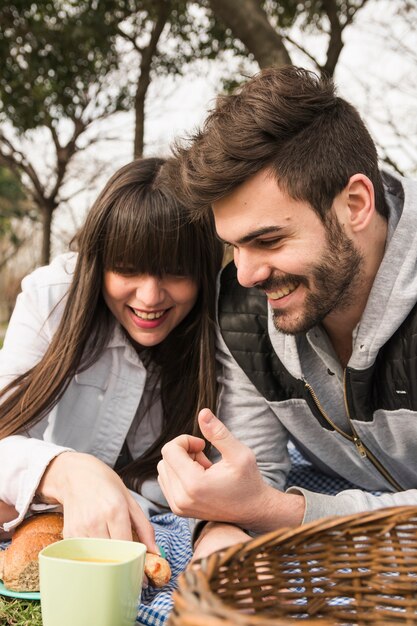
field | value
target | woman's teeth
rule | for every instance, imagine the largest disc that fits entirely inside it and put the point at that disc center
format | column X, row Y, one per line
column 148, row 316
column 284, row 291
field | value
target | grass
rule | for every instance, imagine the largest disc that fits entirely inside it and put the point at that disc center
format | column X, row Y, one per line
column 19, row 612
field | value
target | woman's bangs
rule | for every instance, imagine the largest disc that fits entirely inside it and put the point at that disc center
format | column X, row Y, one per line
column 150, row 240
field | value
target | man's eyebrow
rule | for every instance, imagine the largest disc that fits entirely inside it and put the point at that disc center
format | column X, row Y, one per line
column 266, row 230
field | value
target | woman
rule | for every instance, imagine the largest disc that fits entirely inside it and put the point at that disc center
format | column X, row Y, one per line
column 108, row 355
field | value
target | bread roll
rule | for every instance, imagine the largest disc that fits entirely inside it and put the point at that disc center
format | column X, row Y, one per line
column 19, row 566
column 157, row 569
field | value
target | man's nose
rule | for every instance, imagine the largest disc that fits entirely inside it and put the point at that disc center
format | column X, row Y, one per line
column 251, row 268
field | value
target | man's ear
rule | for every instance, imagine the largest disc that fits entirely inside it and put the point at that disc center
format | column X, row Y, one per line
column 361, row 202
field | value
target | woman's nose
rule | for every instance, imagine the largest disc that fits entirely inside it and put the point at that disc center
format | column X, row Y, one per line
column 149, row 290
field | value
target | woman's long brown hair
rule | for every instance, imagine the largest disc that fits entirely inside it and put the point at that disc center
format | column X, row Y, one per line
column 137, row 226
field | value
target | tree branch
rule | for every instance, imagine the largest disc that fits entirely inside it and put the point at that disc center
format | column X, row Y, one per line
column 148, row 53
column 335, row 45
column 249, row 23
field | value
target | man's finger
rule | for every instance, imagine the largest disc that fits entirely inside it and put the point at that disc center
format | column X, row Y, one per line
column 190, row 444
column 218, row 435
column 184, row 454
column 202, row 460
column 172, row 487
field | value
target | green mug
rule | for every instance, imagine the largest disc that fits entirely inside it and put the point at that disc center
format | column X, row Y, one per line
column 88, row 582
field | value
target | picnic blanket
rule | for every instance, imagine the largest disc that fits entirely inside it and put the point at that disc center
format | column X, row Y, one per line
column 174, row 535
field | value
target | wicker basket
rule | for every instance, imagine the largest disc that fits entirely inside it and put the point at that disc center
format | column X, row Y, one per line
column 355, row 570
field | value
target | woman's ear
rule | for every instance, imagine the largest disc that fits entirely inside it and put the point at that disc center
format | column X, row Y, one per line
column 360, row 198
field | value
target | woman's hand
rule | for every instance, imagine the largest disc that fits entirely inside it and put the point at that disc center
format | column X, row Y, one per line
column 95, row 501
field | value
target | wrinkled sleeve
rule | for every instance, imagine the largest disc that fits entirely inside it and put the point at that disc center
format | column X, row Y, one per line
column 24, row 461
column 248, row 415
column 350, row 501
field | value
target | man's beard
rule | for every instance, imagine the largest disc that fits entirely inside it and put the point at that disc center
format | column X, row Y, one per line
column 334, row 282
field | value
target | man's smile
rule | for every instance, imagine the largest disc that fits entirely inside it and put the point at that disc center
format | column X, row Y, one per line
column 282, row 292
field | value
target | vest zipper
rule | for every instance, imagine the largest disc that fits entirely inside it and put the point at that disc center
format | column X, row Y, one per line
column 363, row 451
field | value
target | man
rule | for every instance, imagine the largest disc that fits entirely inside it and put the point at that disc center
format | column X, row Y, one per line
column 318, row 334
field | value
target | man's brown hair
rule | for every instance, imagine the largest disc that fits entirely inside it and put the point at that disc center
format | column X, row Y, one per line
column 287, row 120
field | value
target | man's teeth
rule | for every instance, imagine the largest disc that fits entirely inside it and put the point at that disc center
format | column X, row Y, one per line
column 148, row 316
column 284, row 291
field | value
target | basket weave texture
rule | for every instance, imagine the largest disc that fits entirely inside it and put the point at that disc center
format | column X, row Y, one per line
column 355, row 570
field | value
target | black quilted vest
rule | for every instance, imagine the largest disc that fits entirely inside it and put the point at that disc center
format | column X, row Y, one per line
column 390, row 383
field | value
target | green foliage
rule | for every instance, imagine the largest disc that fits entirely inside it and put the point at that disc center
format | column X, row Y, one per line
column 192, row 31
column 11, row 192
column 196, row 33
column 13, row 205
column 52, row 54
column 57, row 55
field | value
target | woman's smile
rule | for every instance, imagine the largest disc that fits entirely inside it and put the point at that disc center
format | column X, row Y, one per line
column 149, row 319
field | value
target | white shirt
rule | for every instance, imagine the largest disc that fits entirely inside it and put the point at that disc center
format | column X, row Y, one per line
column 98, row 409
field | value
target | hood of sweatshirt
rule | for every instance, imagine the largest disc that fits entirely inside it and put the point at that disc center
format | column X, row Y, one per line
column 394, row 291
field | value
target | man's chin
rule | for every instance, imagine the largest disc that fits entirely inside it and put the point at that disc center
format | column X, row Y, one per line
column 284, row 326
column 287, row 326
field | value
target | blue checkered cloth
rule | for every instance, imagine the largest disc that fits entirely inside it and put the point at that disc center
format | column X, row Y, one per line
column 174, row 536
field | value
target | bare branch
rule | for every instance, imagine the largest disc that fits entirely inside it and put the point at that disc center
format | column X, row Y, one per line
column 304, row 51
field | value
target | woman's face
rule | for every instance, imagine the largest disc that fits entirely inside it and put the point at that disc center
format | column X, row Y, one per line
column 148, row 307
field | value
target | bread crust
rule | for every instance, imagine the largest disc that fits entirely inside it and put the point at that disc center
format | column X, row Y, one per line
column 52, row 523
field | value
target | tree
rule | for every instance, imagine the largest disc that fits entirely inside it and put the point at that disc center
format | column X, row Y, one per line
column 264, row 27
column 248, row 20
column 65, row 67
column 57, row 58
column 166, row 37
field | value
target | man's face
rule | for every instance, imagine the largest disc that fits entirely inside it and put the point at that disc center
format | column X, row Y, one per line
column 307, row 269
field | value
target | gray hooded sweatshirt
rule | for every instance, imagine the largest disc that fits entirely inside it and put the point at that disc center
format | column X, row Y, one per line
column 266, row 426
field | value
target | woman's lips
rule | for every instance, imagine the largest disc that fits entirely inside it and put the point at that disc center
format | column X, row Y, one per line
column 148, row 319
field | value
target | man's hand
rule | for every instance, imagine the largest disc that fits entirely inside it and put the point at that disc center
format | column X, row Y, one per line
column 231, row 490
